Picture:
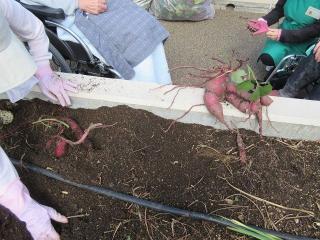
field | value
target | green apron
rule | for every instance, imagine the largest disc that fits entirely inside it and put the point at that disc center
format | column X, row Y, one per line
column 295, row 18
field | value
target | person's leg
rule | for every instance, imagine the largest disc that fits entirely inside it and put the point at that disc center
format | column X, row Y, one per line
column 144, row 71
column 307, row 72
column 315, row 93
column 273, row 52
column 267, row 59
column 154, row 68
column 161, row 65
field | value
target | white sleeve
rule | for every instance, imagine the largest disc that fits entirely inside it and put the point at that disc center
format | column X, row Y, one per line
column 68, row 6
column 8, row 173
column 28, row 28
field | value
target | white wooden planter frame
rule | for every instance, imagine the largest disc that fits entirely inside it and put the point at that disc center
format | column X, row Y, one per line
column 288, row 118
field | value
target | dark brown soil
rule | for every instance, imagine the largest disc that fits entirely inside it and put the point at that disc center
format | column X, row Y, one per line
column 184, row 168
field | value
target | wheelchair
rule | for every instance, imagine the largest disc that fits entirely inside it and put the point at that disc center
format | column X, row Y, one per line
column 67, row 56
column 279, row 75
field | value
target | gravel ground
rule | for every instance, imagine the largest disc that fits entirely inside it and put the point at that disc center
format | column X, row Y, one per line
column 194, row 43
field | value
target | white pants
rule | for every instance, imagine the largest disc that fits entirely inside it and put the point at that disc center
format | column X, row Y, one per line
column 154, row 68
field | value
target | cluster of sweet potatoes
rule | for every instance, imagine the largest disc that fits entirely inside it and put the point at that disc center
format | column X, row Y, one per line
column 236, row 86
column 61, row 144
column 220, row 88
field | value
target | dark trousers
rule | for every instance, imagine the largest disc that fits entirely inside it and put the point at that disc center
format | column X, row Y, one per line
column 306, row 75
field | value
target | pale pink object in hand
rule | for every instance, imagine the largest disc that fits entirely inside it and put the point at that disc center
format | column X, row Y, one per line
column 36, row 216
column 53, row 86
column 258, row 27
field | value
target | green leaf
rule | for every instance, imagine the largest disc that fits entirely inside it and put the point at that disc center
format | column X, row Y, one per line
column 245, row 86
column 252, row 234
column 265, row 90
column 255, row 95
column 250, row 231
column 238, row 76
column 251, row 75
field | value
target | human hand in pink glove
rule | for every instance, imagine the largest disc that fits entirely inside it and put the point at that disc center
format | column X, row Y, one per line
column 258, row 27
column 36, row 216
column 53, row 86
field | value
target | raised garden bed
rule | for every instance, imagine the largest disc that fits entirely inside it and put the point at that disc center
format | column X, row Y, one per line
column 185, row 167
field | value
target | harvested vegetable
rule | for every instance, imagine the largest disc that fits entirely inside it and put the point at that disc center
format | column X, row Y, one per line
column 241, row 148
column 236, row 86
column 77, row 131
column 266, row 101
column 217, row 86
column 211, row 101
column 60, row 143
column 61, row 148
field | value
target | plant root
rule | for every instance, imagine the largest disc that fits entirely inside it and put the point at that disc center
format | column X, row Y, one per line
column 242, row 148
column 86, row 133
column 182, row 116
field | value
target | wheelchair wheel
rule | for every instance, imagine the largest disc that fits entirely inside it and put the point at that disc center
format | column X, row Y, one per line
column 58, row 61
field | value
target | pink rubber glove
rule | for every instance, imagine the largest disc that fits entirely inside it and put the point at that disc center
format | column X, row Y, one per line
column 36, row 216
column 258, row 27
column 53, row 86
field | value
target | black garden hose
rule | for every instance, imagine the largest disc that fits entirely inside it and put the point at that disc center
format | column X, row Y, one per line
column 153, row 205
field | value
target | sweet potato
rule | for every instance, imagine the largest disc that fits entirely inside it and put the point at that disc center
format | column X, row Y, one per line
column 214, row 106
column 236, row 101
column 222, row 78
column 255, row 107
column 61, row 148
column 259, row 118
column 217, row 85
column 76, row 130
column 266, row 101
column 245, row 95
column 244, row 106
column 241, row 148
column 231, row 88
column 216, row 88
column 61, row 144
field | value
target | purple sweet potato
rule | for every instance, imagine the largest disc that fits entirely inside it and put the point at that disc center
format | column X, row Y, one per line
column 214, row 106
column 217, row 86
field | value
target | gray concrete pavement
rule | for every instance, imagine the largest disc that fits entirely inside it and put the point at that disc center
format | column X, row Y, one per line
column 194, row 43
